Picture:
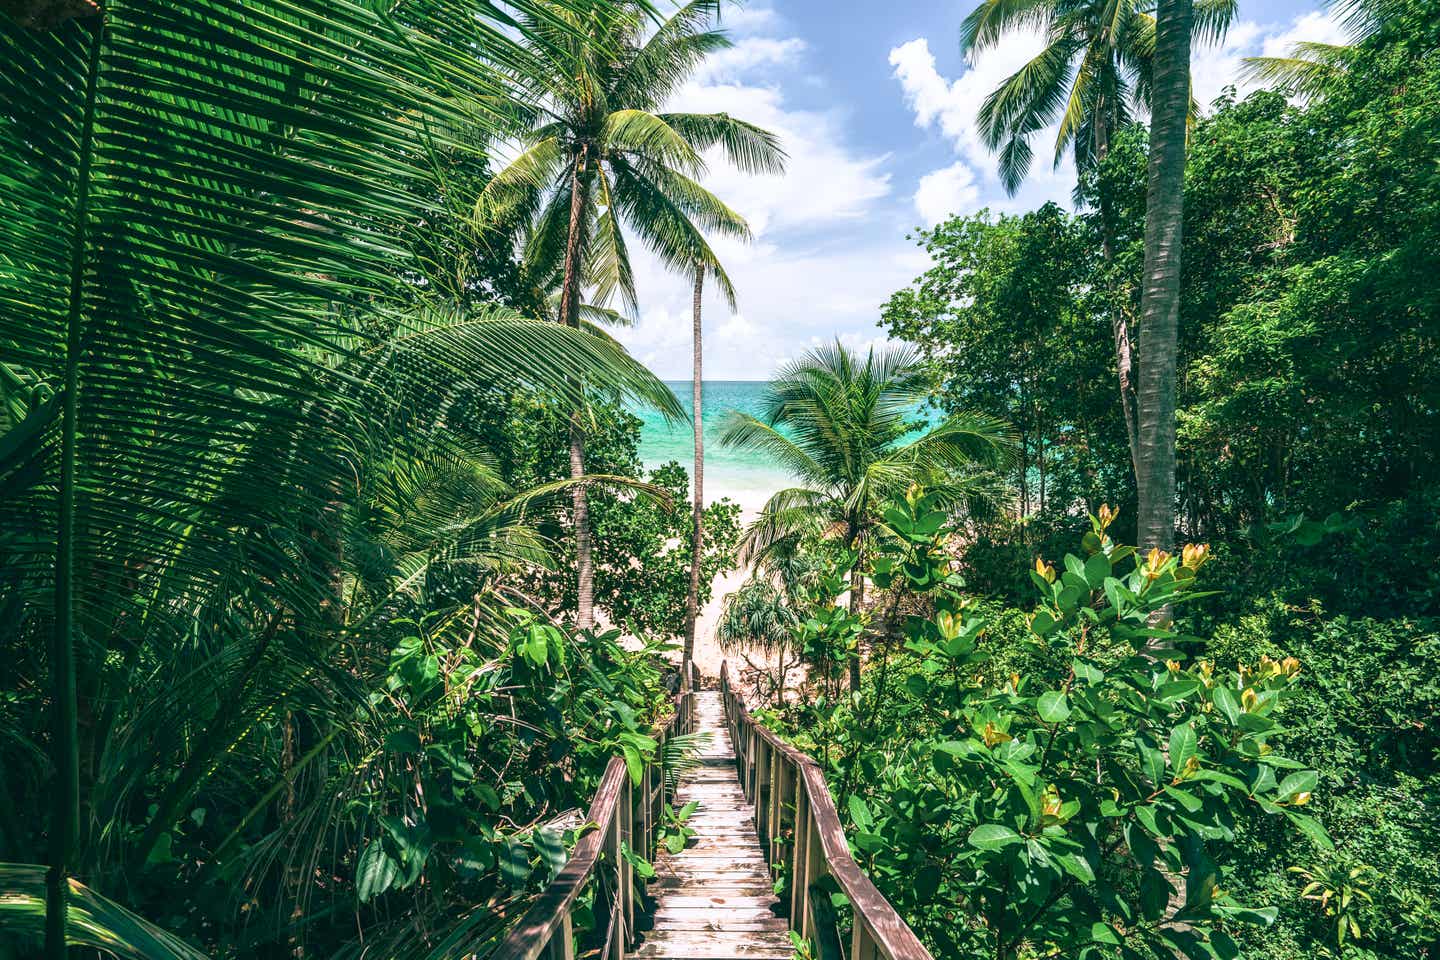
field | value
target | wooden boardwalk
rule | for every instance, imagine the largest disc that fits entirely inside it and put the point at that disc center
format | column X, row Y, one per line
column 714, row 899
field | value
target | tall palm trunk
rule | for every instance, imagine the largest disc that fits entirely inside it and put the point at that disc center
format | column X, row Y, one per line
column 570, row 316
column 1119, row 326
column 857, row 596
column 697, row 530
column 1160, row 295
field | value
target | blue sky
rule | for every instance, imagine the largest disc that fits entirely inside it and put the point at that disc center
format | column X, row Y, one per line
column 876, row 107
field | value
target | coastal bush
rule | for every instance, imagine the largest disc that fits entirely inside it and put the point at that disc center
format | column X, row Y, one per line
column 1085, row 808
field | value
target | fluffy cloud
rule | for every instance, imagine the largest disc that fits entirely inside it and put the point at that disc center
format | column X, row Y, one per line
column 945, row 192
column 952, row 107
column 1218, row 65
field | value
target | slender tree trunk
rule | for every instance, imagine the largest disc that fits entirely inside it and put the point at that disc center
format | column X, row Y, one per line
column 697, row 529
column 857, row 598
column 1160, row 295
column 570, row 315
column 1119, row 326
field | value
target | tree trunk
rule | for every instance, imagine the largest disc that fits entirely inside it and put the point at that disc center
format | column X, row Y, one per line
column 570, row 315
column 1160, row 295
column 1119, row 327
column 857, row 599
column 697, row 530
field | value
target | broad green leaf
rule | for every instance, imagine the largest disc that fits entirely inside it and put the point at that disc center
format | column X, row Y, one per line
column 1301, row 781
column 1182, row 746
column 1226, row 703
column 860, row 813
column 992, row 836
column 375, row 872
column 1053, row 706
column 1312, row 829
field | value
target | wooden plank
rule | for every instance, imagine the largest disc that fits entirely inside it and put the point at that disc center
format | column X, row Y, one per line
column 665, row 913
column 711, row 923
column 754, row 903
column 704, row 948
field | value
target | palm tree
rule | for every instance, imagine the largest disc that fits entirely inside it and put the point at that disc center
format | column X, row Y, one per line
column 599, row 151
column 192, row 363
column 1160, row 290
column 1093, row 77
column 697, row 474
column 846, row 428
column 1309, row 66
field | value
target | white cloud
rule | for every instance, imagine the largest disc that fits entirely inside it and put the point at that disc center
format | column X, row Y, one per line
column 825, row 179
column 952, row 107
column 747, row 55
column 1218, row 65
column 945, row 192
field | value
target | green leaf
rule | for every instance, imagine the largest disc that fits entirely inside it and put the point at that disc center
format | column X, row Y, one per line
column 515, row 863
column 927, row 883
column 1077, row 866
column 1097, row 570
column 1312, row 829
column 860, row 813
column 1182, row 746
column 402, row 741
column 992, row 836
column 634, row 763
column 1226, row 703
column 375, row 872
column 1301, row 781
column 1259, row 916
column 1053, row 706
column 1155, row 893
column 1101, row 932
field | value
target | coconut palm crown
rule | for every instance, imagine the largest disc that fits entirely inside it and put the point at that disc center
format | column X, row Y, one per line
column 845, row 426
column 1092, row 77
column 599, row 151
column 598, row 130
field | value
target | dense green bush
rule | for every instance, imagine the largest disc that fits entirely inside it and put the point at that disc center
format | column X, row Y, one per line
column 1083, row 804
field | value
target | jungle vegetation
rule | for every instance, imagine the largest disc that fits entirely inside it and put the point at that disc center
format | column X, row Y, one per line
column 331, row 579
column 1224, row 746
column 295, row 663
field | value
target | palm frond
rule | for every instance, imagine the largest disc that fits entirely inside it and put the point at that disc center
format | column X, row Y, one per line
column 749, row 148
column 992, row 19
column 1305, row 73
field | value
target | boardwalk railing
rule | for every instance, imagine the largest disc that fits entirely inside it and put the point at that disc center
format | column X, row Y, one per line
column 799, row 827
column 622, row 813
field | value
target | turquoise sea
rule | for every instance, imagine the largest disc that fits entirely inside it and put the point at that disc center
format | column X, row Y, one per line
column 739, row 475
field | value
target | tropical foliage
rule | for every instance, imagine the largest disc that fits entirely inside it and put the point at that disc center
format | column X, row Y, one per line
column 275, row 683
column 1055, row 808
column 599, row 155
column 846, row 428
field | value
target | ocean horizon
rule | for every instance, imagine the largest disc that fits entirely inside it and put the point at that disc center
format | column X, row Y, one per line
column 741, row 475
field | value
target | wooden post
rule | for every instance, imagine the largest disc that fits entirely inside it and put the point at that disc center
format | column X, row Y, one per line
column 815, row 868
column 775, row 816
column 562, row 942
column 617, row 907
column 625, row 820
column 763, row 790
column 799, row 862
column 862, row 947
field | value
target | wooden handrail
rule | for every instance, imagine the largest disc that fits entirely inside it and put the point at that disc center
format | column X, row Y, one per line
column 798, row 824
column 546, row 929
